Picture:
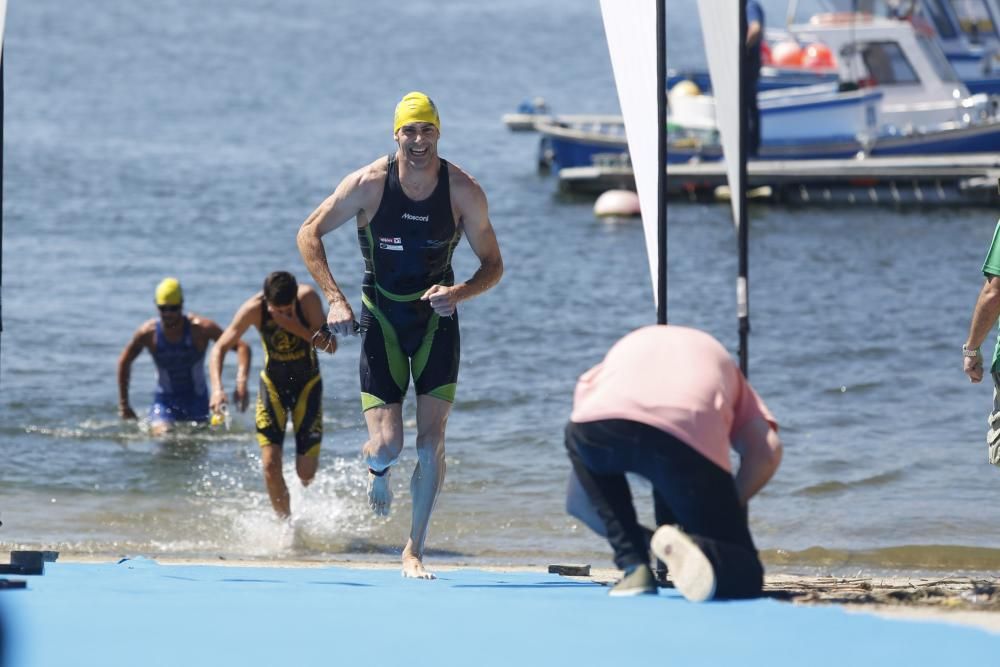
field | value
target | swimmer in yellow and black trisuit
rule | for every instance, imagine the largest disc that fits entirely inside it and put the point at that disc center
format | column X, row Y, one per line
column 287, row 316
column 412, row 208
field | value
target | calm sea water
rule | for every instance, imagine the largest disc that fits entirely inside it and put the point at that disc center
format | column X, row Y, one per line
column 146, row 139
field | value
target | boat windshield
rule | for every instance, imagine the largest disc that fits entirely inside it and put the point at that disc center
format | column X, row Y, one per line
column 885, row 62
column 975, row 19
column 938, row 60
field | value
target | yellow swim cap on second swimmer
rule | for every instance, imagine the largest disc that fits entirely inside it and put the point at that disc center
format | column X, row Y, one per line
column 169, row 293
column 415, row 108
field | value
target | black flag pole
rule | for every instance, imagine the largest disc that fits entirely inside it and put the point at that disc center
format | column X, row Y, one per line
column 743, row 230
column 661, row 178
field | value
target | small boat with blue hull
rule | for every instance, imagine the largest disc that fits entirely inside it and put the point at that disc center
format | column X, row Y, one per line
column 807, row 122
column 528, row 112
column 898, row 96
column 594, row 142
column 563, row 147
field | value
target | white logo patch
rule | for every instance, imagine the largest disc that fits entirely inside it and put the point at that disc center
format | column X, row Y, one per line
column 416, row 218
column 390, row 243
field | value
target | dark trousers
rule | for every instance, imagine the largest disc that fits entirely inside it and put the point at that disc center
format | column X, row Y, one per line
column 753, row 118
column 689, row 490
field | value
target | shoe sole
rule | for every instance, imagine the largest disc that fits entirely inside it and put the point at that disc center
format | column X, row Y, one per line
column 689, row 567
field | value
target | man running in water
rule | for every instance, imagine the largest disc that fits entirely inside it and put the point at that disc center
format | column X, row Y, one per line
column 177, row 343
column 411, row 209
column 287, row 316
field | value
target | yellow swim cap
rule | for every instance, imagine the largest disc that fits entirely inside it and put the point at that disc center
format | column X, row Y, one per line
column 169, row 293
column 415, row 108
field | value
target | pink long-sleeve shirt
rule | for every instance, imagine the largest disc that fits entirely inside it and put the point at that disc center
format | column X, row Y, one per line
column 676, row 379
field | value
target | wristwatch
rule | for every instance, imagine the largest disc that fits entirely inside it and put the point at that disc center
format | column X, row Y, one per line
column 967, row 352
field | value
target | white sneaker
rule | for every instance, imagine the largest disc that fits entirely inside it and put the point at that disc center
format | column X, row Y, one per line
column 689, row 567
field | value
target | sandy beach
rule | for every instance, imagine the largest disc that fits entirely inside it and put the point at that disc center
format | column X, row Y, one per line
column 952, row 599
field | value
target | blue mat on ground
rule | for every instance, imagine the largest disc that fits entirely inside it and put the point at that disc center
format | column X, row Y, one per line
column 141, row 613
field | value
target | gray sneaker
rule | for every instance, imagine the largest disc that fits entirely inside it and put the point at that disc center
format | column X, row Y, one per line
column 690, row 569
column 639, row 581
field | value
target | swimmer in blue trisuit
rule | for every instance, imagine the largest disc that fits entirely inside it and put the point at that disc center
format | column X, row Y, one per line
column 411, row 208
column 177, row 343
column 287, row 316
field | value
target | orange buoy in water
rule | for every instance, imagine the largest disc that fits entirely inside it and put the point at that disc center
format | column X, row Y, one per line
column 617, row 204
column 818, row 56
column 787, row 54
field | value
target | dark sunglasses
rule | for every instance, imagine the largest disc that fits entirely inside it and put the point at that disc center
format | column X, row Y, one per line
column 170, row 309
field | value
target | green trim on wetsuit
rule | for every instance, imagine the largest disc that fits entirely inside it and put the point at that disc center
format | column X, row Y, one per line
column 398, row 366
column 400, row 297
column 369, row 401
column 408, row 247
column 445, row 392
column 419, row 361
column 430, row 351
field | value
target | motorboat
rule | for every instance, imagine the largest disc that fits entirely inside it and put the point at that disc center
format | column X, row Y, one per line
column 896, row 94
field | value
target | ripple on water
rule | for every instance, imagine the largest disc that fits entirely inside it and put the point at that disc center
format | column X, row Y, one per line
column 860, row 388
column 836, row 486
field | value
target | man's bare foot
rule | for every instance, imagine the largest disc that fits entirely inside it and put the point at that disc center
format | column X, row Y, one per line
column 379, row 493
column 413, row 566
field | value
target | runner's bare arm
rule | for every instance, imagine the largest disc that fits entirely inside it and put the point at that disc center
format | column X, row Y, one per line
column 242, row 361
column 760, row 450
column 470, row 203
column 240, row 394
column 248, row 314
column 754, row 33
column 352, row 198
column 312, row 308
column 984, row 318
column 140, row 340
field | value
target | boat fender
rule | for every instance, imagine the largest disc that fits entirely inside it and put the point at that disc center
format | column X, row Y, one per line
column 617, row 204
column 818, row 56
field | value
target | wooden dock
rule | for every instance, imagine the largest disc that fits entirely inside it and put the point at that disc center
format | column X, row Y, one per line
column 904, row 180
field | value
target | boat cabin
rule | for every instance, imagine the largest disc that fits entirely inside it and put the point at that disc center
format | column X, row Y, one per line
column 921, row 88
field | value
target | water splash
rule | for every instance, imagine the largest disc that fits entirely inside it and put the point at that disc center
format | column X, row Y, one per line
column 326, row 515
